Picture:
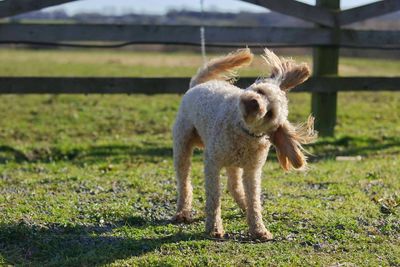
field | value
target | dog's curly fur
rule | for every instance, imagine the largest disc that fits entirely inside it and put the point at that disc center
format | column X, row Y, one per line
column 236, row 127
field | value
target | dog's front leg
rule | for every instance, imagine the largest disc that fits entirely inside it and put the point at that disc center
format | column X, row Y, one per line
column 213, row 199
column 252, row 187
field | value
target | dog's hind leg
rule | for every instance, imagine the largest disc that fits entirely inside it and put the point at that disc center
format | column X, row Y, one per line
column 235, row 186
column 184, row 139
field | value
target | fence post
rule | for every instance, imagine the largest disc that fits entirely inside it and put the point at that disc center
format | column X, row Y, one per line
column 325, row 63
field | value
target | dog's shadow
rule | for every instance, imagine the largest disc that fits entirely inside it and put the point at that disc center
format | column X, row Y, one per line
column 55, row 244
column 323, row 149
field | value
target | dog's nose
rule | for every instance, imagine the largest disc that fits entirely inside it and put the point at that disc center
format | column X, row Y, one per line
column 251, row 105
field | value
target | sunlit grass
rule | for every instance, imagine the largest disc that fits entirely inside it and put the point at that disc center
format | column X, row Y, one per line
column 89, row 180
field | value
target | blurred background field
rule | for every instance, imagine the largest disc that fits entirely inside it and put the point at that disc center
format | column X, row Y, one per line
column 120, row 63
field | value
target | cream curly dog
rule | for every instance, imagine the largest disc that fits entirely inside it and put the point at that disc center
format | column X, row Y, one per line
column 236, row 127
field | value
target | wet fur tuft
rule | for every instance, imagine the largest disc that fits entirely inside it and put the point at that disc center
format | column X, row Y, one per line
column 286, row 72
column 288, row 141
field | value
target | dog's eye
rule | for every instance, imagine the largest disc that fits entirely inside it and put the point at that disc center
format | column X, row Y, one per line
column 260, row 92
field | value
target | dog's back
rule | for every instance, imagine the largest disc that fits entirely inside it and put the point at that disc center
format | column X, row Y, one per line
column 210, row 93
column 208, row 103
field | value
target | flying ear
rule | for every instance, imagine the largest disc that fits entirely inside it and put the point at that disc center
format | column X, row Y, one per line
column 288, row 141
column 286, row 72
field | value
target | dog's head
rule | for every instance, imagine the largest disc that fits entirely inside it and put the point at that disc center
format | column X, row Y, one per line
column 264, row 107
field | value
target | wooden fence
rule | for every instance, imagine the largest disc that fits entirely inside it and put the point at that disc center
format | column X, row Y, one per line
column 326, row 38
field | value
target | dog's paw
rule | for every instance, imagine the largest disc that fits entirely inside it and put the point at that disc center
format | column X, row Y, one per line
column 263, row 235
column 215, row 230
column 182, row 217
column 217, row 234
column 243, row 209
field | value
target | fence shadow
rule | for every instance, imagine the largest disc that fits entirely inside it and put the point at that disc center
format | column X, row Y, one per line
column 327, row 148
column 8, row 153
column 54, row 244
column 88, row 155
column 352, row 146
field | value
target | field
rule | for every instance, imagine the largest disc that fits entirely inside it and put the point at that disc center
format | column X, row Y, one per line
column 88, row 180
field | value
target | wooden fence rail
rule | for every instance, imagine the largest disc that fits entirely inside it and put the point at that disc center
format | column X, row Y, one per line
column 318, row 14
column 189, row 35
column 174, row 85
column 14, row 7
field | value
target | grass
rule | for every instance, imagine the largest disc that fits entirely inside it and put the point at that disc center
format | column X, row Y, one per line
column 88, row 180
column 142, row 64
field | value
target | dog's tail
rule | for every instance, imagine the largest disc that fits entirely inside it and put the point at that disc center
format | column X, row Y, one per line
column 222, row 68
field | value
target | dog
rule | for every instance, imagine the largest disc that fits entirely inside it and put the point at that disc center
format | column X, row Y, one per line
column 236, row 128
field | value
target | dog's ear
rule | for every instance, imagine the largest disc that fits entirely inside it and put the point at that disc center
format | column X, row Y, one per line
column 287, row 149
column 294, row 74
column 286, row 72
column 288, row 141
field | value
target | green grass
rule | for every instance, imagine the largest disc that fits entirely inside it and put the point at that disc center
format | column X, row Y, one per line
column 88, row 180
column 142, row 64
